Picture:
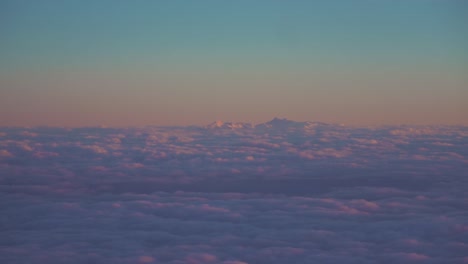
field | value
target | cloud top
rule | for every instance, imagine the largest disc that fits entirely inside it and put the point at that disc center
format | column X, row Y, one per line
column 278, row 192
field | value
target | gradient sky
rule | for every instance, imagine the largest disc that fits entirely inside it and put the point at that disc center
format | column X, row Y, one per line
column 119, row 63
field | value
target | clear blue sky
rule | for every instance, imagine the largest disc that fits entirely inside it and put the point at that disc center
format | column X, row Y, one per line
column 190, row 62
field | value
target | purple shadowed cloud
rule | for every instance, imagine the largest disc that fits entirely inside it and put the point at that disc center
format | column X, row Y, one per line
column 234, row 193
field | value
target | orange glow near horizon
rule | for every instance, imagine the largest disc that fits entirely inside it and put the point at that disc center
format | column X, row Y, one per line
column 138, row 100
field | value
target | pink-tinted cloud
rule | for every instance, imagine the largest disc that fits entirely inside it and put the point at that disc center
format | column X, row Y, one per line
column 146, row 259
column 284, row 193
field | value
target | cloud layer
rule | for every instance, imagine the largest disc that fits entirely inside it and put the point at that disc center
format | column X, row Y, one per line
column 283, row 191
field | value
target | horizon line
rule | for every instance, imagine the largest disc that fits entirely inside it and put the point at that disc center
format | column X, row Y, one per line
column 254, row 124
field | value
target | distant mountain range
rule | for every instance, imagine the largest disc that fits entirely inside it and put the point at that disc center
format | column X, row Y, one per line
column 229, row 125
column 275, row 124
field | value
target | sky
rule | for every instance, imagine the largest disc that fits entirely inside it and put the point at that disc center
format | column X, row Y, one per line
column 135, row 63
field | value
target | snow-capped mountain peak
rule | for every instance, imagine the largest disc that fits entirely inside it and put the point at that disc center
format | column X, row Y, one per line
column 228, row 125
column 282, row 123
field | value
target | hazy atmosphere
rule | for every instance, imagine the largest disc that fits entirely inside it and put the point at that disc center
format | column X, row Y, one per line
column 233, row 132
column 119, row 63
